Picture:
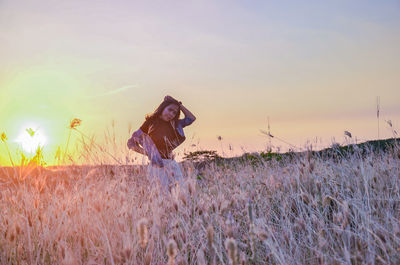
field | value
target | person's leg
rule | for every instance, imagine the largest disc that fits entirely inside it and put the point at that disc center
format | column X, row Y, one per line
column 152, row 175
column 165, row 177
column 157, row 177
column 169, row 176
column 178, row 175
column 178, row 180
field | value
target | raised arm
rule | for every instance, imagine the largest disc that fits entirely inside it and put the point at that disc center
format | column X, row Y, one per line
column 185, row 121
column 187, row 113
column 189, row 117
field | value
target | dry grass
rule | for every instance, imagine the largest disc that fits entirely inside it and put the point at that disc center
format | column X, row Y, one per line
column 306, row 211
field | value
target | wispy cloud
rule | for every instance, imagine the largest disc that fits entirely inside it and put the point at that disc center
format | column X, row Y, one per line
column 112, row 92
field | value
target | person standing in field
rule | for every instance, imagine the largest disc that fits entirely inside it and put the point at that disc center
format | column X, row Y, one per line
column 160, row 133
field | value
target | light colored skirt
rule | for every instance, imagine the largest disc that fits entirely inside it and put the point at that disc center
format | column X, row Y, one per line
column 168, row 176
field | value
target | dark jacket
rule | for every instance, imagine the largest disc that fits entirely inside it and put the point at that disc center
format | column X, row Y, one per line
column 163, row 137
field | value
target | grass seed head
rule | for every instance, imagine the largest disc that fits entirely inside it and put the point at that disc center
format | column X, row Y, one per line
column 230, row 246
column 142, row 231
column 191, row 186
column 3, row 137
column 172, row 251
column 210, row 235
column 75, row 123
column 250, row 210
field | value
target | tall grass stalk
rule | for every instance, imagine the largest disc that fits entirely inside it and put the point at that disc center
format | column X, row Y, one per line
column 303, row 209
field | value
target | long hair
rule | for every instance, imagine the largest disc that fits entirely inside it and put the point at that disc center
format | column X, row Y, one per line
column 159, row 110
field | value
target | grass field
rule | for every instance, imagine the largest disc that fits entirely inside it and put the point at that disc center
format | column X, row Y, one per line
column 299, row 209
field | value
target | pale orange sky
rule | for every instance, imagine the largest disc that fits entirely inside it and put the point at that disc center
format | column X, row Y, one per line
column 314, row 69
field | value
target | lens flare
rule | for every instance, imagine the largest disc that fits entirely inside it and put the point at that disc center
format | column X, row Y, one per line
column 30, row 139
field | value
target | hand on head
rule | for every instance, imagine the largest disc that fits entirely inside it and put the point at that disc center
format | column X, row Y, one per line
column 169, row 98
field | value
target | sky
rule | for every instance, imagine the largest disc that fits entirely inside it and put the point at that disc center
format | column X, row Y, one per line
column 315, row 69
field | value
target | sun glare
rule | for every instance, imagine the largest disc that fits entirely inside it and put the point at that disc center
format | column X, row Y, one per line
column 31, row 137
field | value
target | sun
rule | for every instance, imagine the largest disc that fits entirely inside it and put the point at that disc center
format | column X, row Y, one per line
column 31, row 137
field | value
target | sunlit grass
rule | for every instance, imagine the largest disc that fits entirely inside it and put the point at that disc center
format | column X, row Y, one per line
column 302, row 210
